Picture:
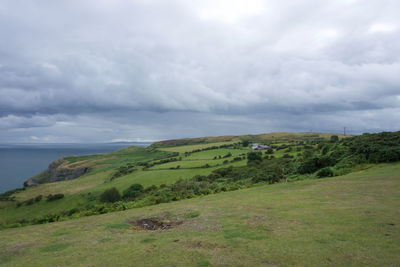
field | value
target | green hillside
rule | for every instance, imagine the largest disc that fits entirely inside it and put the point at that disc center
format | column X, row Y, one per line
column 308, row 199
column 350, row 220
column 161, row 164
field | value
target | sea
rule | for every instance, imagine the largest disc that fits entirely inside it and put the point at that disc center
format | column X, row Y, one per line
column 19, row 162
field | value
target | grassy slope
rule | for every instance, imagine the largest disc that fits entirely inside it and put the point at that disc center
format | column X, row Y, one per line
column 351, row 220
column 77, row 191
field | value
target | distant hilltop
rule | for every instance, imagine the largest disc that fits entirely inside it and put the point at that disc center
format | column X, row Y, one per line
column 250, row 137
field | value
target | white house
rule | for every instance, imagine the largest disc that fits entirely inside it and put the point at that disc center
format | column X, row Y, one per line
column 259, row 147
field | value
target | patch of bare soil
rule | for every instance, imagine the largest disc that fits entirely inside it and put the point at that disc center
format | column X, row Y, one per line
column 154, row 224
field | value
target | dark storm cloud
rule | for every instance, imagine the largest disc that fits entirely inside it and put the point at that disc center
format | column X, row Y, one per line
column 77, row 70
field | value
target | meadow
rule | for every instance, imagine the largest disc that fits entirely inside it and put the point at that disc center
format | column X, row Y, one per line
column 351, row 220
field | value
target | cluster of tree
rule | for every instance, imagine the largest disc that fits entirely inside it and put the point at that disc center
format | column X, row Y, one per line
column 223, row 179
column 163, row 161
column 29, row 201
column 123, row 170
column 38, row 199
column 54, row 197
column 348, row 152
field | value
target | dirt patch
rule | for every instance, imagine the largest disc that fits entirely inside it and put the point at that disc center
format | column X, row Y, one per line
column 153, row 224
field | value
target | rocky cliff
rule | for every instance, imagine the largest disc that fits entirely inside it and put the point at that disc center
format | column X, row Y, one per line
column 59, row 170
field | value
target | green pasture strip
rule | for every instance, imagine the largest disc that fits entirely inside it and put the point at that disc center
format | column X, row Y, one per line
column 192, row 163
column 189, row 148
column 210, row 154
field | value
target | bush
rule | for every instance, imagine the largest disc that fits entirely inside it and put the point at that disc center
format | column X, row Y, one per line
column 245, row 143
column 334, row 138
column 325, row 172
column 110, row 195
column 54, row 197
column 133, row 191
column 254, row 156
column 269, row 151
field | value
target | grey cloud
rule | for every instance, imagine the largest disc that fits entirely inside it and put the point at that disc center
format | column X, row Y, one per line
column 292, row 65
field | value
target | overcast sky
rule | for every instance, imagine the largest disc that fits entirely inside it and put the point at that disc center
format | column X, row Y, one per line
column 138, row 70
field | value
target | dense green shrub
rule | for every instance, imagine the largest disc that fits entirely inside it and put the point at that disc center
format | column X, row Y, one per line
column 110, row 195
column 254, row 156
column 54, row 197
column 133, row 191
column 229, row 154
column 123, row 170
column 334, row 138
column 325, row 172
column 269, row 151
column 245, row 143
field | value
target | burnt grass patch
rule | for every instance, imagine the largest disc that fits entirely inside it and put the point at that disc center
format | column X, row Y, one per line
column 153, row 224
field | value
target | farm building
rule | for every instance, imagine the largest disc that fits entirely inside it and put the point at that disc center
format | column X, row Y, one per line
column 260, row 147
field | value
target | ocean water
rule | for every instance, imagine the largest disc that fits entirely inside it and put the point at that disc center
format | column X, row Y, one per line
column 20, row 162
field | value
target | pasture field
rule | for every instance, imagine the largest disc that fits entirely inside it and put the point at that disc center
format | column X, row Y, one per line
column 210, row 154
column 189, row 148
column 350, row 220
column 196, row 163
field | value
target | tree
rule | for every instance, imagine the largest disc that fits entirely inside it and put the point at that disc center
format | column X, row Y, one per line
column 110, row 195
column 245, row 143
column 133, row 191
column 254, row 156
column 334, row 138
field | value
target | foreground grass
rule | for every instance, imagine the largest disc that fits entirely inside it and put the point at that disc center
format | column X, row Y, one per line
column 351, row 220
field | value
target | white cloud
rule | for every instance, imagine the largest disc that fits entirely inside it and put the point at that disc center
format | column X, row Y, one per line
column 229, row 11
column 382, row 28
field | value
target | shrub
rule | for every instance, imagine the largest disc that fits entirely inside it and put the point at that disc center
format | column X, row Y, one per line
column 54, row 197
column 133, row 191
column 254, row 156
column 325, row 172
column 150, row 189
column 110, row 195
column 269, row 151
column 334, row 138
column 30, row 201
column 245, row 143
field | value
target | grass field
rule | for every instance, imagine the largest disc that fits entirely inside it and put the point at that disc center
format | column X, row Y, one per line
column 189, row 148
column 351, row 220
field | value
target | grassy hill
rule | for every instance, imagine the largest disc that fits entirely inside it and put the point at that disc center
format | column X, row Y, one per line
column 350, row 220
column 280, row 214
column 128, row 166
